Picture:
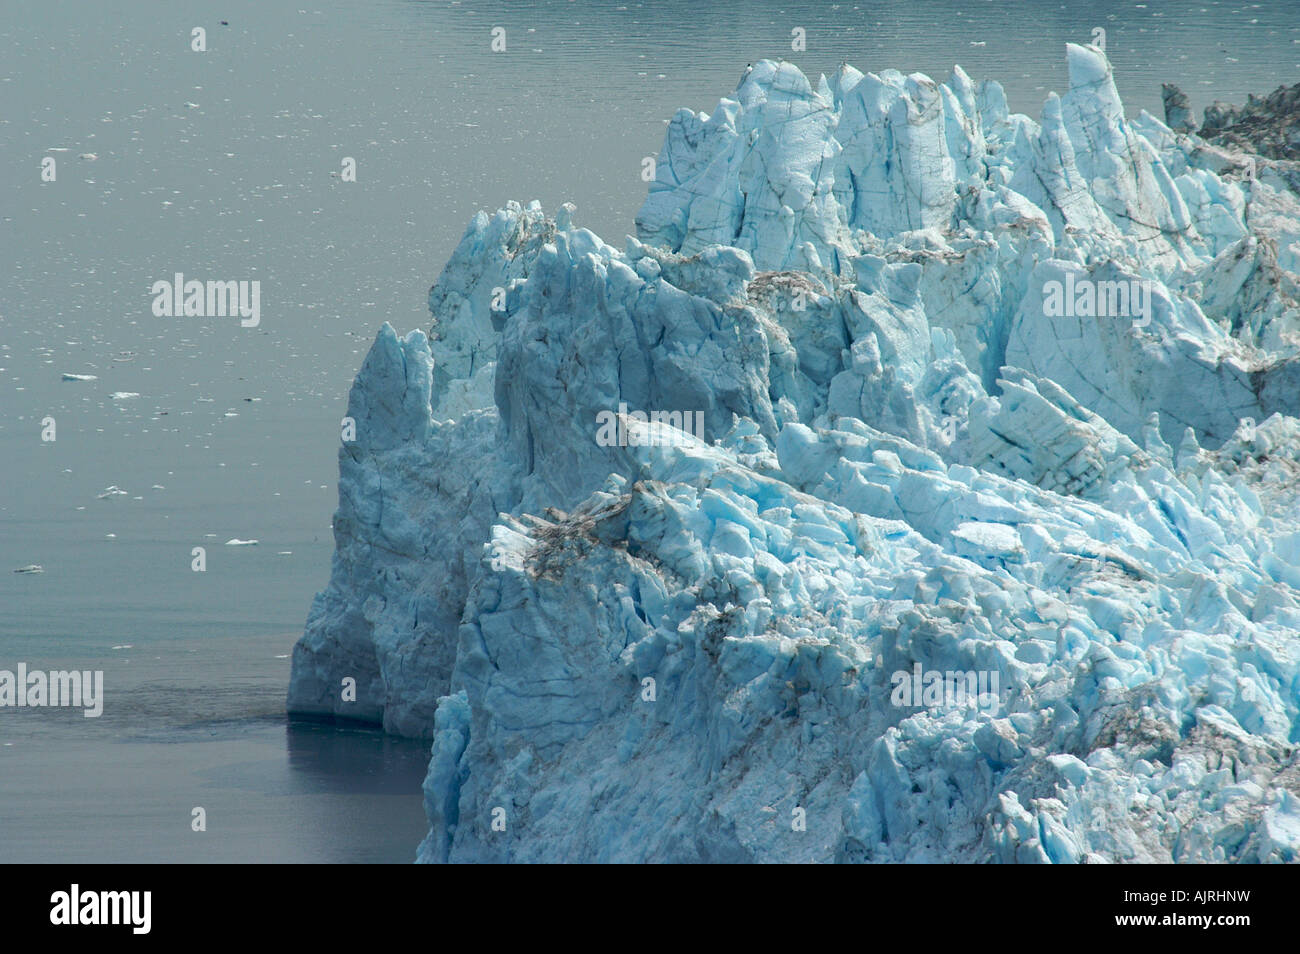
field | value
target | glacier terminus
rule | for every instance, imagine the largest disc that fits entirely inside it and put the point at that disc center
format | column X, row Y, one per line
column 991, row 402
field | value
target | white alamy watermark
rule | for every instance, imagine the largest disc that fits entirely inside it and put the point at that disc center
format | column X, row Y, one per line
column 944, row 688
column 211, row 299
column 1089, row 298
column 74, row 907
column 613, row 431
column 56, row 688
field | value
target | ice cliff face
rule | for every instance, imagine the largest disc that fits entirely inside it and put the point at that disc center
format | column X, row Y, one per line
column 923, row 450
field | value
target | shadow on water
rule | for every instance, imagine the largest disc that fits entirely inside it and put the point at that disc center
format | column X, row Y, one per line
column 355, row 759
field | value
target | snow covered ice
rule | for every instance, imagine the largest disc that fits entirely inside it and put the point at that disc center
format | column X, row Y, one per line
column 682, row 650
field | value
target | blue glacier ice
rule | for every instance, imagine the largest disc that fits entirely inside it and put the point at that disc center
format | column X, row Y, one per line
column 682, row 648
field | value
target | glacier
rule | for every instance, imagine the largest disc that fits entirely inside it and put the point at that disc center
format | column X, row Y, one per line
column 683, row 648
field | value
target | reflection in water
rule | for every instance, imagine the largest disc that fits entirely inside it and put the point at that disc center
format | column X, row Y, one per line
column 272, row 791
column 355, row 760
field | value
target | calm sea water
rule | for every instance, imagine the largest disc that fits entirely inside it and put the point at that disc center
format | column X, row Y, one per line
column 219, row 165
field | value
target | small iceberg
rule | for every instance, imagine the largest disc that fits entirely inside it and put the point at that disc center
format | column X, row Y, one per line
column 241, row 543
column 112, row 491
column 80, row 377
